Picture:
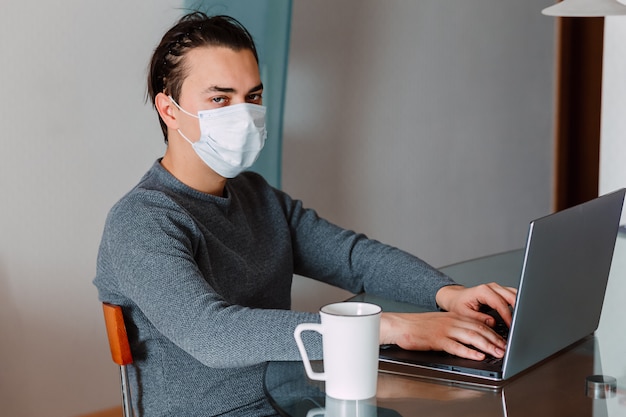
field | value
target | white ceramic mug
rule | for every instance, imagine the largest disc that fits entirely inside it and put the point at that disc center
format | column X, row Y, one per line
column 346, row 408
column 350, row 340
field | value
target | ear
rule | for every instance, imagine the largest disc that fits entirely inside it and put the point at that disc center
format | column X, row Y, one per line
column 165, row 107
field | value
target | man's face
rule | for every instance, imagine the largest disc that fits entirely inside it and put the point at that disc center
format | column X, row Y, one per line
column 217, row 77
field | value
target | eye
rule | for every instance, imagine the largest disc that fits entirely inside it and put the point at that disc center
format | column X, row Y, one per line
column 219, row 100
column 255, row 98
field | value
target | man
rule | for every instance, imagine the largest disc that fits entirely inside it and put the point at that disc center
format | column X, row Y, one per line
column 201, row 254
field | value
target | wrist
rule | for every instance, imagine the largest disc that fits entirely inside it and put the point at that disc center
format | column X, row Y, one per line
column 445, row 295
column 386, row 329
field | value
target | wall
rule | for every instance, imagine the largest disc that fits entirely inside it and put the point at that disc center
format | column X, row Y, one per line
column 613, row 137
column 425, row 125
column 76, row 135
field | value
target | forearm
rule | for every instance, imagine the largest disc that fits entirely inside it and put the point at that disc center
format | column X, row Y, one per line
column 353, row 262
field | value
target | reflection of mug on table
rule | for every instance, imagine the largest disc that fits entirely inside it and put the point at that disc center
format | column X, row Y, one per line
column 350, row 339
column 346, row 408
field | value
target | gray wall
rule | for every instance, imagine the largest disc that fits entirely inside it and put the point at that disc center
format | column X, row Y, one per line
column 76, row 135
column 426, row 125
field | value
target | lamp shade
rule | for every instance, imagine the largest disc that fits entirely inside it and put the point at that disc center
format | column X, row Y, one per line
column 586, row 8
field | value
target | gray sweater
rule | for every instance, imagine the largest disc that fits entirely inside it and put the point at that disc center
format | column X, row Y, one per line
column 205, row 285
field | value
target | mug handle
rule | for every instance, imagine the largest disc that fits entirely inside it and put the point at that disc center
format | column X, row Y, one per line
column 297, row 334
column 316, row 412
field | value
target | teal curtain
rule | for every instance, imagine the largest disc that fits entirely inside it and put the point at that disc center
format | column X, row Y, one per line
column 269, row 23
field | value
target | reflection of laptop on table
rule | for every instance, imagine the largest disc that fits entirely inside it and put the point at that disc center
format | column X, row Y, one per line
column 564, row 274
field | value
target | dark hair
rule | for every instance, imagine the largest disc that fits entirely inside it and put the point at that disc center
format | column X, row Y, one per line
column 167, row 70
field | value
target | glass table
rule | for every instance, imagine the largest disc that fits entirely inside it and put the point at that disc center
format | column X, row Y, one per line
column 560, row 386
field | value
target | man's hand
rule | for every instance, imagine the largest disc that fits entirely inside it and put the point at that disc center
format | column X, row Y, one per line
column 443, row 331
column 468, row 301
column 462, row 325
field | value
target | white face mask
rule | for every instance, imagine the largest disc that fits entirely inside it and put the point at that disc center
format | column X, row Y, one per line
column 231, row 137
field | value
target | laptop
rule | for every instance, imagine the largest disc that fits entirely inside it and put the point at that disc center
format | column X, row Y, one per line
column 564, row 272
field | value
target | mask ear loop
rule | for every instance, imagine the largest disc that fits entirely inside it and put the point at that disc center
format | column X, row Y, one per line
column 181, row 109
column 187, row 113
column 184, row 137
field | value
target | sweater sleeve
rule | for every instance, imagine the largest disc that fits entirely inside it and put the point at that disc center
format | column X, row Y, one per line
column 350, row 260
column 147, row 258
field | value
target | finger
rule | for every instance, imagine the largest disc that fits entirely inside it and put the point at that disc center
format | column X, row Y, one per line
column 474, row 341
column 506, row 314
column 509, row 294
column 495, row 347
column 463, row 351
column 481, row 317
column 484, row 338
column 500, row 298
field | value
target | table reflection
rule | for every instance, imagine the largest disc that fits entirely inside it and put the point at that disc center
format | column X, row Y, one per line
column 345, row 408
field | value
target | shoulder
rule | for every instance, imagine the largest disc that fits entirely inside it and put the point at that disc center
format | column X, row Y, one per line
column 144, row 211
column 140, row 202
column 155, row 193
column 131, row 220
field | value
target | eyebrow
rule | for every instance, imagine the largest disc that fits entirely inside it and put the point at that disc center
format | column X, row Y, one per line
column 215, row 88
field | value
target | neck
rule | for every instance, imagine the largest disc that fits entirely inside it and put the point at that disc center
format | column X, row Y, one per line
column 189, row 169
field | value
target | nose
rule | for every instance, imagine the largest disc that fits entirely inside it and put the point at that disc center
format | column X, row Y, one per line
column 238, row 99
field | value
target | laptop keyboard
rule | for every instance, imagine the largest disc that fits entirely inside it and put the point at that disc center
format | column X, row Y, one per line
column 491, row 360
column 500, row 328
